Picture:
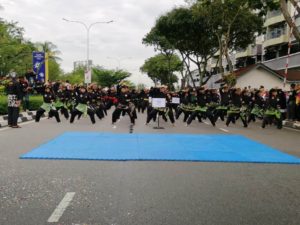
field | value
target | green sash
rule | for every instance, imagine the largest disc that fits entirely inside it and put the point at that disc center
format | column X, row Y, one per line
column 47, row 107
column 82, row 108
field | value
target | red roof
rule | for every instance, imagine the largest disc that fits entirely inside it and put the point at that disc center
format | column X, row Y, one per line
column 293, row 75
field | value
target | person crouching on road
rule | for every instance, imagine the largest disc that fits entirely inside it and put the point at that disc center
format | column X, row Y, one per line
column 125, row 105
column 48, row 105
column 82, row 107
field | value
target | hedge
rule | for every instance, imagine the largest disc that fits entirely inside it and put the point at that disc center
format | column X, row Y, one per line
column 35, row 102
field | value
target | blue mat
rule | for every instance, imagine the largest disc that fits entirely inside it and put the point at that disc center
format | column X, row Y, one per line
column 158, row 147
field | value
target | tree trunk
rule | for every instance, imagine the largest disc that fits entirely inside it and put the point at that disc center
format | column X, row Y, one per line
column 289, row 20
column 221, row 56
column 188, row 66
column 295, row 4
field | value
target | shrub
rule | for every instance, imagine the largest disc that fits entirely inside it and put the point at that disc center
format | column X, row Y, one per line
column 35, row 102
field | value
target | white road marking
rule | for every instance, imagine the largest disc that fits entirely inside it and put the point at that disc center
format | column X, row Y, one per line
column 58, row 212
column 222, row 129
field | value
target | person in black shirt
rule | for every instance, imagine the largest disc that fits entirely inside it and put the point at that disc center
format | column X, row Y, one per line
column 48, row 105
column 235, row 109
column 273, row 110
column 125, row 105
column 291, row 111
column 14, row 96
column 25, row 88
column 83, row 101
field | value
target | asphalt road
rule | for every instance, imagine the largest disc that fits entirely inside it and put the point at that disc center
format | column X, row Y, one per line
column 156, row 193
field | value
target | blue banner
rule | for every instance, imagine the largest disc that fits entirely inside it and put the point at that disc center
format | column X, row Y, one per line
column 38, row 61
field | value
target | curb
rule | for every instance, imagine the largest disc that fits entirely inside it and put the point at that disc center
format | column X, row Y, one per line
column 292, row 125
column 23, row 117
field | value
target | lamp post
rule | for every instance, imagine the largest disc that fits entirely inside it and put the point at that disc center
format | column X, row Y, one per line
column 88, row 28
column 119, row 60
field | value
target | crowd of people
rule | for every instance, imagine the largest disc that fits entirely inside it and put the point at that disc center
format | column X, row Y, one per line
column 227, row 104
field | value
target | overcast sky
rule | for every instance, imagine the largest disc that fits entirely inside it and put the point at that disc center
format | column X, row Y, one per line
column 42, row 20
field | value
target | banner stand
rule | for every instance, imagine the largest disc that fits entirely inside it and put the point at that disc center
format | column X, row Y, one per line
column 158, row 127
column 158, row 103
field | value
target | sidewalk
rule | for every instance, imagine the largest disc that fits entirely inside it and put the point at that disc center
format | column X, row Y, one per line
column 291, row 124
column 23, row 117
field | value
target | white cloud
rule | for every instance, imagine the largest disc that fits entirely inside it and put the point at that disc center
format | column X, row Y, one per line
column 42, row 20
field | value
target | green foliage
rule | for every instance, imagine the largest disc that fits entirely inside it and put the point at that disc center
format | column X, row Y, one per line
column 161, row 68
column 230, row 80
column 55, row 71
column 35, row 103
column 16, row 51
column 108, row 78
column 3, row 105
column 75, row 77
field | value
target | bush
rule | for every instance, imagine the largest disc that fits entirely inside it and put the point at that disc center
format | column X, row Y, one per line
column 3, row 105
column 35, row 102
column 2, row 89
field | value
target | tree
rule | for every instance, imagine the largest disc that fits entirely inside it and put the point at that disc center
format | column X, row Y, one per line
column 288, row 17
column 15, row 51
column 235, row 23
column 49, row 48
column 75, row 77
column 160, row 69
column 55, row 71
column 108, row 78
column 191, row 35
column 161, row 44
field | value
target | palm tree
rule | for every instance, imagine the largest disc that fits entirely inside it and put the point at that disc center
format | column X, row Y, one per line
column 51, row 49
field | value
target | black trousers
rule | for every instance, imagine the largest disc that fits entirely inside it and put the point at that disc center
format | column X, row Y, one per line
column 187, row 114
column 118, row 111
column 76, row 112
column 268, row 119
column 64, row 112
column 153, row 114
column 199, row 115
column 52, row 113
column 291, row 110
column 232, row 117
column 13, row 115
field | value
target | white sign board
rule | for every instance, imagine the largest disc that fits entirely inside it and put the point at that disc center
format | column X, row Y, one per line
column 88, row 77
column 176, row 100
column 158, row 102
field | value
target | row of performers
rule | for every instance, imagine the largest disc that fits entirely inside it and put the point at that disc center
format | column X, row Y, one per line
column 230, row 104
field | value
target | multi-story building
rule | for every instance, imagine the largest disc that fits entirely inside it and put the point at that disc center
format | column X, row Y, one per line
column 79, row 64
column 272, row 48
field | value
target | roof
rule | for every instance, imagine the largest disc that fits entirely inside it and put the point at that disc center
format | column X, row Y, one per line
column 293, row 75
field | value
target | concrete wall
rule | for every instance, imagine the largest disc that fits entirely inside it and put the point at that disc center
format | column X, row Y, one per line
column 256, row 78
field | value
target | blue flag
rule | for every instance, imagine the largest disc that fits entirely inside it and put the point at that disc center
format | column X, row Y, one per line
column 38, row 61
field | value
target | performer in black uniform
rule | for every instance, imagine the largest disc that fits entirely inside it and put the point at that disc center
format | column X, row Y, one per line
column 273, row 110
column 82, row 107
column 48, row 105
column 125, row 105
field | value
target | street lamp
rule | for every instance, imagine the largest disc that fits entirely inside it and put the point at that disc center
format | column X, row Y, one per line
column 119, row 60
column 88, row 28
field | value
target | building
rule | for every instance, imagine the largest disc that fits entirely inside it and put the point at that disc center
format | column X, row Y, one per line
column 272, row 48
column 80, row 64
column 259, row 74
